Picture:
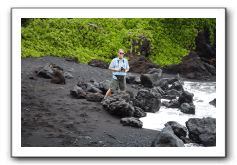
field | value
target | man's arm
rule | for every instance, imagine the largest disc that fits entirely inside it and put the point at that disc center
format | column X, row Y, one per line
column 114, row 69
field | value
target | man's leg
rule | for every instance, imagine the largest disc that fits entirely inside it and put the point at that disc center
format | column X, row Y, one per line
column 108, row 93
column 112, row 88
column 122, row 84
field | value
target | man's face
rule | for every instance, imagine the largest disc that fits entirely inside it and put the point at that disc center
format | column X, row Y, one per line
column 120, row 54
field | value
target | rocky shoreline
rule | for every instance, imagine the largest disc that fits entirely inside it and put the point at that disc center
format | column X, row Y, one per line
column 63, row 105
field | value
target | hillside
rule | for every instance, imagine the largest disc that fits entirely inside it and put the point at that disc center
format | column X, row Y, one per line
column 162, row 41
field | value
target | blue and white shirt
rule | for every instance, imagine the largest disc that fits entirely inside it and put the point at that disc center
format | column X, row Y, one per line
column 118, row 63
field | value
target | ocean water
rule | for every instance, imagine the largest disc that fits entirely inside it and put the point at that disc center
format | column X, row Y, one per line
column 204, row 92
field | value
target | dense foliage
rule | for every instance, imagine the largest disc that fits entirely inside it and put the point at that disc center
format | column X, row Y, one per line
column 166, row 40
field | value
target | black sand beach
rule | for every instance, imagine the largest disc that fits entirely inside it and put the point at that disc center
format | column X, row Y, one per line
column 52, row 118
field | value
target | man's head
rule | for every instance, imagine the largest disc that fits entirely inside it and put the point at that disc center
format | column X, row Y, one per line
column 120, row 53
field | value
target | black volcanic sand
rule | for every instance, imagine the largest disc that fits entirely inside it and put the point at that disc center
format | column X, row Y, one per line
column 50, row 117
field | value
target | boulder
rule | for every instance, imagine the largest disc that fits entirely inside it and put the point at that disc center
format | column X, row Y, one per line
column 132, row 79
column 130, row 92
column 82, row 85
column 149, row 80
column 95, row 97
column 139, row 64
column 119, row 105
column 121, row 108
column 186, row 140
column 68, row 75
column 186, row 97
column 167, row 138
column 91, row 88
column 155, row 70
column 58, row 77
column 187, row 108
column 139, row 112
column 47, row 71
column 174, row 79
column 202, row 131
column 178, row 129
column 147, row 100
column 98, row 63
column 177, row 85
column 78, row 92
column 163, row 83
column 171, row 94
column 192, row 66
column 131, row 121
column 158, row 90
column 174, row 103
column 53, row 72
column 213, row 102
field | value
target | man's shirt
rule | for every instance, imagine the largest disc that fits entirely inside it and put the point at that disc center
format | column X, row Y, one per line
column 118, row 63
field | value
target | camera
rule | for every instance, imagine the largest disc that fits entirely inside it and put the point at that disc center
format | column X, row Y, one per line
column 122, row 69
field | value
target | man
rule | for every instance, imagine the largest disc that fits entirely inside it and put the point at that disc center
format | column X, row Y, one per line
column 119, row 67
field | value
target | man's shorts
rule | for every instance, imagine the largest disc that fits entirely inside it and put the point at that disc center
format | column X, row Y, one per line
column 119, row 83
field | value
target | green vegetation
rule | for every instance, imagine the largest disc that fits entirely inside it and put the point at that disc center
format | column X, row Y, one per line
column 166, row 40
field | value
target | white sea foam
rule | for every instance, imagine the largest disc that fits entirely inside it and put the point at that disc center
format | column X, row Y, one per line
column 204, row 92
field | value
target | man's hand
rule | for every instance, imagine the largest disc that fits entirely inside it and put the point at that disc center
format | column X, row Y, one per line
column 126, row 70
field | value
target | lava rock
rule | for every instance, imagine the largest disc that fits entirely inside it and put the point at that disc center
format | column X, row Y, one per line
column 210, row 68
column 91, row 88
column 186, row 97
column 192, row 66
column 147, row 100
column 174, row 103
column 131, row 121
column 177, row 86
column 58, row 77
column 186, row 140
column 47, row 71
column 158, row 90
column 95, row 97
column 213, row 102
column 139, row 112
column 68, row 75
column 82, row 84
column 155, row 70
column 98, row 63
column 202, row 131
column 149, row 80
column 53, row 72
column 119, row 105
column 178, row 129
column 78, row 92
column 132, row 79
column 121, row 108
column 174, row 79
column 130, row 92
column 172, row 94
column 163, row 83
column 187, row 108
column 139, row 64
column 167, row 138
